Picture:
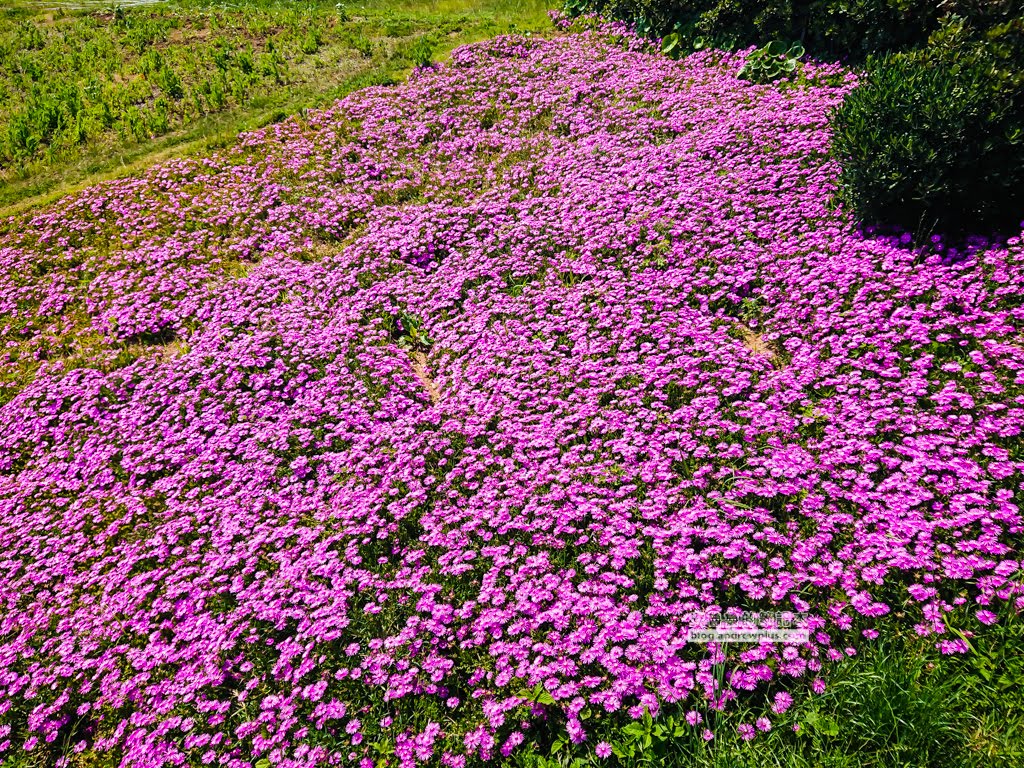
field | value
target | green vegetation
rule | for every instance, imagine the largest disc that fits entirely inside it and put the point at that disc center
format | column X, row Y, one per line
column 850, row 28
column 898, row 703
column 933, row 140
column 773, row 61
column 97, row 92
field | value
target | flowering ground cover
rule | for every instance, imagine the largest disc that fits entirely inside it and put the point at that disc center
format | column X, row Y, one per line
column 427, row 427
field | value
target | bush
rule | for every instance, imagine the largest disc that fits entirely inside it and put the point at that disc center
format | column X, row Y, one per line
column 723, row 23
column 421, row 52
column 851, row 28
column 857, row 28
column 933, row 141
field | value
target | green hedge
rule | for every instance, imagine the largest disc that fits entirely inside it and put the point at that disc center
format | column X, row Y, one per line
column 933, row 140
column 851, row 28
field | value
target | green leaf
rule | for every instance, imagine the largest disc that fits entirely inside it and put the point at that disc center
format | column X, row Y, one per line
column 776, row 48
column 634, row 729
column 543, row 697
column 264, row 763
column 538, row 695
column 828, row 727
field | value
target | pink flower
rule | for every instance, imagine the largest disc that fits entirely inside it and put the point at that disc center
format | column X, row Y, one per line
column 534, row 321
column 782, row 702
column 952, row 646
column 575, row 730
column 603, row 749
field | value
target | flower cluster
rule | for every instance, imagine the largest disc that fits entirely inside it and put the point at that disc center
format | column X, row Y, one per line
column 401, row 428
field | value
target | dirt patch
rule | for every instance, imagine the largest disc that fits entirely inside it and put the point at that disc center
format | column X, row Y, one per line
column 419, row 367
column 756, row 344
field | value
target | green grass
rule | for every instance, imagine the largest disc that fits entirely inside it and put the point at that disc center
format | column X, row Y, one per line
column 94, row 93
column 899, row 703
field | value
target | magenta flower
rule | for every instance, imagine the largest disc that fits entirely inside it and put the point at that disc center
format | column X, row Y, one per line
column 986, row 617
column 782, row 702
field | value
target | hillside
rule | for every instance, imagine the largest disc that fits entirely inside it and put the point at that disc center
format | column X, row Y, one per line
column 427, row 426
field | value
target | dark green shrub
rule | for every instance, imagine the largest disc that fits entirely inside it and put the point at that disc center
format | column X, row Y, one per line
column 723, row 23
column 852, row 28
column 856, row 28
column 934, row 141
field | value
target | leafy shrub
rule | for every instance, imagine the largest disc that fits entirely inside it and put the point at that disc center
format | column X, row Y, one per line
column 774, row 61
column 311, row 42
column 860, row 27
column 421, row 52
column 934, row 141
column 170, row 83
column 846, row 27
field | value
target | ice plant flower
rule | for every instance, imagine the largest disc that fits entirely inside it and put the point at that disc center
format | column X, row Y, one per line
column 782, row 702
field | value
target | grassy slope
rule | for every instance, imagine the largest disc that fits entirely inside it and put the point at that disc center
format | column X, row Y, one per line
column 91, row 95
